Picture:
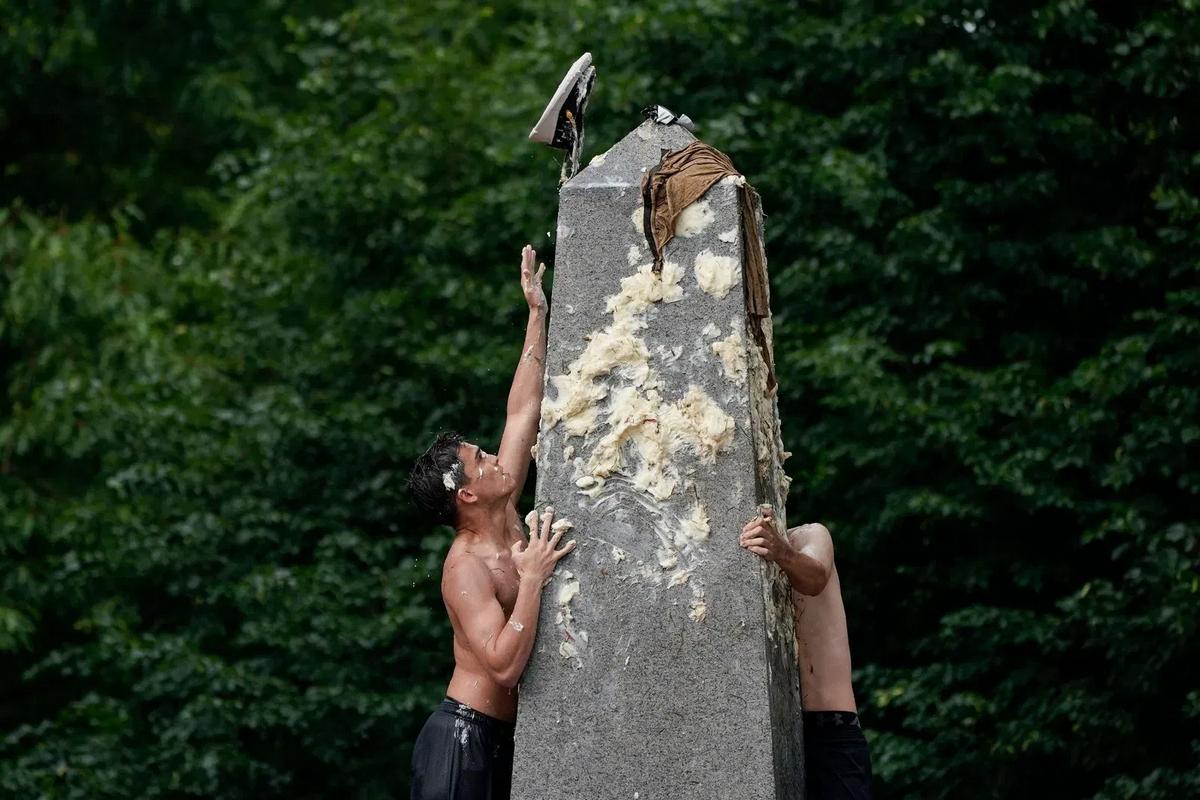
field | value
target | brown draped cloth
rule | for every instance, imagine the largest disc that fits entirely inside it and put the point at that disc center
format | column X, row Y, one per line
column 680, row 179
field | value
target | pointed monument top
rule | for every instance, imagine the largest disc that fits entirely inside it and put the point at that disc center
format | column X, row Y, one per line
column 626, row 161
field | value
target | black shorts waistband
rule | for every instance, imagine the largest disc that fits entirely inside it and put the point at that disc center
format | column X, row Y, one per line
column 826, row 720
column 464, row 711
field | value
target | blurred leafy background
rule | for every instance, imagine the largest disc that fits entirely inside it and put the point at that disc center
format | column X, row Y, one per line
column 252, row 254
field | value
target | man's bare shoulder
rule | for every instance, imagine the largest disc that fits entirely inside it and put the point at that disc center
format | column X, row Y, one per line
column 462, row 570
column 810, row 533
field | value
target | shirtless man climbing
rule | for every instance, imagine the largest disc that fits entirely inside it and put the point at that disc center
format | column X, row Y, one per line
column 491, row 582
column 837, row 763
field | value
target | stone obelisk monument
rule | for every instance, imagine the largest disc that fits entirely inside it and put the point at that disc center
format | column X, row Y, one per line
column 665, row 661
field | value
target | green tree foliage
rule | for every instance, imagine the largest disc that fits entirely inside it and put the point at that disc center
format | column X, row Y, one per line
column 127, row 101
column 983, row 238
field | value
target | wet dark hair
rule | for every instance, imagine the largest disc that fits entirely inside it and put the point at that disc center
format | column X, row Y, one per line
column 427, row 481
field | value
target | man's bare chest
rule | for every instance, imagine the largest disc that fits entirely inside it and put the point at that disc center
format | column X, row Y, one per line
column 505, row 580
column 504, row 573
column 820, row 620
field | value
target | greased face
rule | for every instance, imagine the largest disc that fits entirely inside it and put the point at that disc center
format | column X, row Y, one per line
column 484, row 476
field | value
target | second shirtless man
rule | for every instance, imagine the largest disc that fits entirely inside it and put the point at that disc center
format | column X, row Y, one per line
column 837, row 763
column 491, row 582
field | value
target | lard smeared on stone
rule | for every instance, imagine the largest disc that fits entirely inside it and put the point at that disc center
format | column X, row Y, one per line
column 574, row 640
column 615, row 348
column 611, row 397
column 657, row 431
column 694, row 528
column 694, row 219
column 716, row 274
column 768, row 438
column 568, row 591
column 732, row 352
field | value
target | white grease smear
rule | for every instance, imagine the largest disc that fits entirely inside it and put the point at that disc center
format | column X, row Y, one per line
column 694, row 219
column 693, row 529
column 679, row 538
column 667, row 558
column 732, row 352
column 590, row 485
column 568, row 591
column 768, row 438
column 680, row 578
column 657, row 431
column 616, row 348
column 716, row 274
column 669, row 356
column 612, row 384
column 573, row 639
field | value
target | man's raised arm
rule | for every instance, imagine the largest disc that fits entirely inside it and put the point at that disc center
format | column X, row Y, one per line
column 525, row 396
column 805, row 553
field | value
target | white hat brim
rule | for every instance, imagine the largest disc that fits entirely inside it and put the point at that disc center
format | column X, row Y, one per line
column 543, row 131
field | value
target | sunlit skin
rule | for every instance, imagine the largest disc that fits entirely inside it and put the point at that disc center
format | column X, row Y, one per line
column 493, row 575
column 805, row 554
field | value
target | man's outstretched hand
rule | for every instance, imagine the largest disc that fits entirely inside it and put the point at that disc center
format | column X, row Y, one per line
column 531, row 281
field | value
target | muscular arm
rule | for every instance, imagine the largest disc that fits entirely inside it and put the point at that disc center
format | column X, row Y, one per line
column 808, row 562
column 501, row 644
column 525, row 396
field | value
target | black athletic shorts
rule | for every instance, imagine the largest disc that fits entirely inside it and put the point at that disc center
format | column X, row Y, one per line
column 837, row 764
column 462, row 754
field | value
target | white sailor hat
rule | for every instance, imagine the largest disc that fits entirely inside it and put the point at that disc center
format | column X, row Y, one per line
column 561, row 124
